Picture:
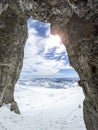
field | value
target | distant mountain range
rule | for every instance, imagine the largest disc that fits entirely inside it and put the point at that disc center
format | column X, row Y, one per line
column 49, row 82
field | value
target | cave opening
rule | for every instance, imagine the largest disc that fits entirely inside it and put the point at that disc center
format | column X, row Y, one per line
column 41, row 91
column 44, row 54
column 46, row 80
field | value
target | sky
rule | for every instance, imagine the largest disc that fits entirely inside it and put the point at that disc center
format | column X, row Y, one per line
column 44, row 54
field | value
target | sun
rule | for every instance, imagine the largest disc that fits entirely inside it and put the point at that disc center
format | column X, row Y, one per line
column 53, row 41
column 56, row 38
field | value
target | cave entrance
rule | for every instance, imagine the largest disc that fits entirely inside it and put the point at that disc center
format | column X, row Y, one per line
column 41, row 90
column 45, row 55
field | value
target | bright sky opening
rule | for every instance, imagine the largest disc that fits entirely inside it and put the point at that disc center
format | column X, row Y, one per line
column 45, row 54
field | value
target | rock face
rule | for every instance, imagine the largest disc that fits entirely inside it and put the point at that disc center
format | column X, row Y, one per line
column 12, row 39
column 76, row 21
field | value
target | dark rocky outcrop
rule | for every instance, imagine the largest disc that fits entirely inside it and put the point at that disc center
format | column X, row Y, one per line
column 12, row 39
column 76, row 21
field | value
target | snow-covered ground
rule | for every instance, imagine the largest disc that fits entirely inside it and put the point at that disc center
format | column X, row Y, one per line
column 45, row 109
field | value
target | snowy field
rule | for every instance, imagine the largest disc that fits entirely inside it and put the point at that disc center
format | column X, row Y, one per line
column 45, row 109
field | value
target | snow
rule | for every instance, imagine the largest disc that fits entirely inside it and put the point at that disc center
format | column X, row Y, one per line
column 45, row 109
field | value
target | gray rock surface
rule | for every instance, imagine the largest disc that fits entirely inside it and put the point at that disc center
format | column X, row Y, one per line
column 12, row 39
column 76, row 21
column 14, row 107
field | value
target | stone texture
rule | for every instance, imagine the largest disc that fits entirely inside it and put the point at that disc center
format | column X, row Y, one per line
column 83, row 53
column 76, row 21
column 12, row 39
column 14, row 107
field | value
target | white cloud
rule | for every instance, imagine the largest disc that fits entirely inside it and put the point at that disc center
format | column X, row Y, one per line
column 32, row 31
column 36, row 63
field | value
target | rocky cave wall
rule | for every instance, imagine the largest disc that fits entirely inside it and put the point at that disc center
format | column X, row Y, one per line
column 76, row 21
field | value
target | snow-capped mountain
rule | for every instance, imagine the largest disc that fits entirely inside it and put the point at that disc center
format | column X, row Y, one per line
column 49, row 82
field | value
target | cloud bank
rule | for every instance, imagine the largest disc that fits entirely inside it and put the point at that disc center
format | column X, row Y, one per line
column 45, row 54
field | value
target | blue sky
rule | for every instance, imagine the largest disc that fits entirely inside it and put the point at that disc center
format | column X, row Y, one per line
column 45, row 54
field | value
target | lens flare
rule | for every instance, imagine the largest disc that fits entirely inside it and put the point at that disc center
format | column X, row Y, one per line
column 53, row 40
